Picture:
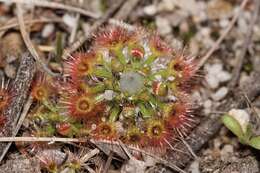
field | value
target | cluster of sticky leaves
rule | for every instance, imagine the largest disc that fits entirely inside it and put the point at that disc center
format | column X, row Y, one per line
column 130, row 86
column 54, row 160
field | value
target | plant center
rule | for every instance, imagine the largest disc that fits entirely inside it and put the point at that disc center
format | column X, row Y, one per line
column 131, row 82
column 83, row 105
column 156, row 130
column 83, row 67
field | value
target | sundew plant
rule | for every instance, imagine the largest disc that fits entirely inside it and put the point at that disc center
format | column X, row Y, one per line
column 130, row 86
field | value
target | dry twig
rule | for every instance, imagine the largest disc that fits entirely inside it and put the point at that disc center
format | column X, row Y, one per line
column 39, row 139
column 247, row 41
column 68, row 51
column 126, row 9
column 108, row 162
column 28, row 42
column 14, row 23
column 210, row 126
column 20, row 87
column 54, row 5
column 222, row 37
column 19, row 124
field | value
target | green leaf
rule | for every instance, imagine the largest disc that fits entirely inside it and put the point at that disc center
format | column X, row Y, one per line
column 255, row 142
column 146, row 112
column 114, row 114
column 150, row 59
column 233, row 125
column 119, row 54
column 102, row 72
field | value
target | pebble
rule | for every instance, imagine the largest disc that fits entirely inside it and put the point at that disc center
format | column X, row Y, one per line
column 69, row 20
column 216, row 75
column 48, row 30
column 224, row 23
column 207, row 106
column 212, row 81
column 163, row 25
column 166, row 5
column 194, row 167
column 220, row 94
column 241, row 116
column 226, row 151
column 150, row 10
column 10, row 71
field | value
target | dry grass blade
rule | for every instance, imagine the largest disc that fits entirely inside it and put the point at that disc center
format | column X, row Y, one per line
column 126, row 9
column 38, row 139
column 28, row 42
column 108, row 162
column 222, row 37
column 20, row 86
column 18, row 126
column 68, row 51
column 54, row 5
column 14, row 23
column 240, row 59
column 89, row 155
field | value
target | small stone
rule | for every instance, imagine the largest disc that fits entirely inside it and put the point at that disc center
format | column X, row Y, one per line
column 212, row 81
column 150, row 10
column 241, row 116
column 220, row 94
column 223, row 76
column 163, row 25
column 194, row 167
column 216, row 75
column 224, row 23
column 69, row 20
column 207, row 106
column 215, row 68
column 10, row 71
column 207, row 103
column 226, row 151
column 47, row 30
column 166, row 5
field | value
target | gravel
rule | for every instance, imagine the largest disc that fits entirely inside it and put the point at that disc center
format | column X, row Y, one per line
column 220, row 94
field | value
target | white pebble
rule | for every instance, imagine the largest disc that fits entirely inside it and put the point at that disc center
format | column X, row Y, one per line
column 212, row 81
column 216, row 75
column 223, row 76
column 166, row 5
column 220, row 93
column 215, row 68
column 150, row 10
column 207, row 103
column 224, row 23
column 69, row 20
column 241, row 116
column 194, row 167
column 163, row 25
column 47, row 30
column 10, row 71
column 226, row 151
